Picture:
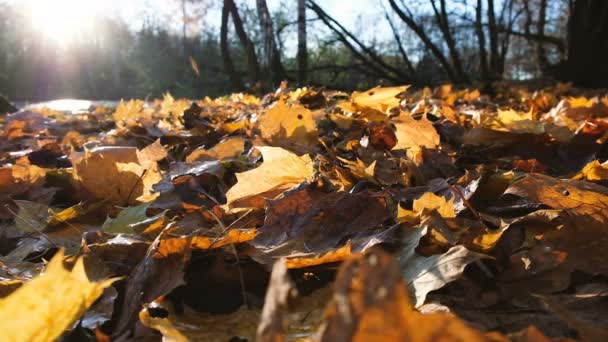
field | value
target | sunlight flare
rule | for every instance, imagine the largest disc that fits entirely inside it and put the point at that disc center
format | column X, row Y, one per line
column 63, row 21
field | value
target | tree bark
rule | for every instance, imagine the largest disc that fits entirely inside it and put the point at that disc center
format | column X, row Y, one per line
column 441, row 16
column 587, row 44
column 541, row 56
column 495, row 72
column 302, row 49
column 235, row 79
column 252, row 60
column 277, row 73
column 481, row 41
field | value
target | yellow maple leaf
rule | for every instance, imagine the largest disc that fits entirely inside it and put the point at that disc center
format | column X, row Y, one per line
column 289, row 126
column 44, row 308
column 280, row 171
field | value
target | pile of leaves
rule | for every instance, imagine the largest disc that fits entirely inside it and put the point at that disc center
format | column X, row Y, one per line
column 393, row 213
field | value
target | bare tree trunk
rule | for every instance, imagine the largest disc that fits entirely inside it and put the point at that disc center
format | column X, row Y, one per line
column 277, row 73
column 587, row 44
column 481, row 40
column 435, row 50
column 252, row 60
column 302, row 49
column 235, row 79
column 441, row 16
column 493, row 33
column 541, row 56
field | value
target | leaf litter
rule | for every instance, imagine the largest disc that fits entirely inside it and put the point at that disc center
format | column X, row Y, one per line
column 393, row 213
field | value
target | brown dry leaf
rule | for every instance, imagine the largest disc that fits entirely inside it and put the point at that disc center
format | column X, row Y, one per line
column 380, row 99
column 115, row 175
column 280, row 171
column 371, row 303
column 272, row 327
column 411, row 132
column 44, row 308
column 289, row 126
column 424, row 274
column 579, row 197
column 307, row 220
column 160, row 271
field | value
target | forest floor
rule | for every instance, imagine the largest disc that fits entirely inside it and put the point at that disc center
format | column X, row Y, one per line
column 387, row 214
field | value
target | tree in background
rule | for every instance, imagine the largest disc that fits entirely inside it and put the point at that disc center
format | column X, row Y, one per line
column 586, row 63
column 273, row 56
column 302, row 48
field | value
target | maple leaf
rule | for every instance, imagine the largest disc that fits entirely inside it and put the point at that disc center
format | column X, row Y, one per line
column 115, row 175
column 290, row 126
column 578, row 197
column 411, row 132
column 280, row 171
column 44, row 308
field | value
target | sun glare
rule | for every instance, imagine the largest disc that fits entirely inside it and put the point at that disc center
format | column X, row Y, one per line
column 62, row 21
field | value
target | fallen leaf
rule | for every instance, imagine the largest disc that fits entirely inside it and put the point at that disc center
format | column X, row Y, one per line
column 411, row 132
column 306, row 220
column 42, row 309
column 370, row 303
column 272, row 326
column 163, row 325
column 424, row 274
column 161, row 270
column 280, row 171
column 289, row 126
column 233, row 236
column 115, row 175
column 229, row 148
column 380, row 99
column 578, row 197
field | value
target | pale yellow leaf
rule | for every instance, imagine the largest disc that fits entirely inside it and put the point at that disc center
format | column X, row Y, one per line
column 44, row 308
column 280, row 171
column 429, row 201
column 289, row 126
column 411, row 132
column 380, row 99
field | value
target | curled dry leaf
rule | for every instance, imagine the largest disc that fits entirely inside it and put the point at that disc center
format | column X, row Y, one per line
column 44, row 308
column 370, row 303
column 424, row 274
column 280, row 171
column 272, row 327
column 160, row 271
